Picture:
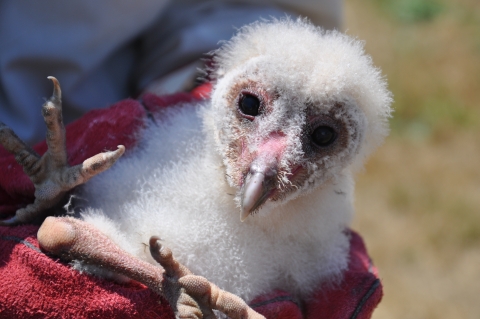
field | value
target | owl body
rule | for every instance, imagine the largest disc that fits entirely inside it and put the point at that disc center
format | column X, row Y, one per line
column 184, row 198
column 253, row 188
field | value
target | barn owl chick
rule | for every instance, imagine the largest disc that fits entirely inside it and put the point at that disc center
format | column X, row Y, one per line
column 253, row 188
column 294, row 111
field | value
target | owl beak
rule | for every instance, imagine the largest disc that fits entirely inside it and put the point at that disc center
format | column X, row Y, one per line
column 258, row 185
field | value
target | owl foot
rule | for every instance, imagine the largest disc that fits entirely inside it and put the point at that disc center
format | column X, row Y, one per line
column 190, row 296
column 207, row 294
column 50, row 173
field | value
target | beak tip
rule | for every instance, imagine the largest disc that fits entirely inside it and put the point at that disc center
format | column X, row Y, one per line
column 244, row 214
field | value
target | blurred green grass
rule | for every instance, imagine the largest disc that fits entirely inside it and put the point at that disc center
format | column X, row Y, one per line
column 418, row 204
column 412, row 10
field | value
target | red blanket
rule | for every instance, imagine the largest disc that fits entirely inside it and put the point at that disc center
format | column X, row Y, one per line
column 34, row 285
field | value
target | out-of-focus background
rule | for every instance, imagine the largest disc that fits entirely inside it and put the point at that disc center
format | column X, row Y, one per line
column 418, row 201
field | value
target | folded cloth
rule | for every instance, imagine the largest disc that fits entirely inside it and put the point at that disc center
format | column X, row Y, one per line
column 34, row 285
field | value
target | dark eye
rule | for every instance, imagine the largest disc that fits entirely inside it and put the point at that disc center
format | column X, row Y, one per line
column 249, row 104
column 324, row 135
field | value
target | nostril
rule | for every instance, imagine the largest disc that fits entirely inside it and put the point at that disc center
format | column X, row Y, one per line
column 266, row 166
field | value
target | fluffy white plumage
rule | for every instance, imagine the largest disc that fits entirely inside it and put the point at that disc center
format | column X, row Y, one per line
column 185, row 181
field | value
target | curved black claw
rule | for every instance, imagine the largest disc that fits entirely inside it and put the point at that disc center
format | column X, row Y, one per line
column 12, row 221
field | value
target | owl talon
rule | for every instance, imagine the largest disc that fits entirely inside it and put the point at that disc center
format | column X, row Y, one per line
column 12, row 221
column 190, row 296
column 206, row 294
column 51, row 174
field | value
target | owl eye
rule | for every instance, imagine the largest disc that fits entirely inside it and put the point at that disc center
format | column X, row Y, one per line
column 324, row 135
column 249, row 104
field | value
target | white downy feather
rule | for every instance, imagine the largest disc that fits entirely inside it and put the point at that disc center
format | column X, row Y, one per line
column 174, row 184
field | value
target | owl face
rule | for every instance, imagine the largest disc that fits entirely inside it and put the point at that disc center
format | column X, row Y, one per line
column 278, row 141
column 293, row 107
